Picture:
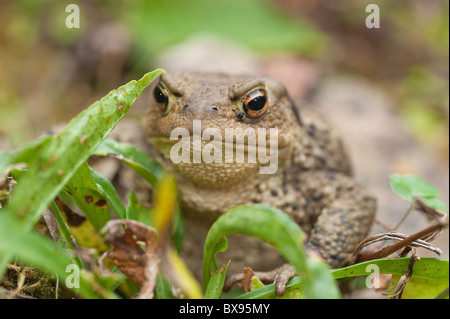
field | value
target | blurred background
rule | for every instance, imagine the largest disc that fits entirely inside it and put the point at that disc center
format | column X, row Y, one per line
column 385, row 88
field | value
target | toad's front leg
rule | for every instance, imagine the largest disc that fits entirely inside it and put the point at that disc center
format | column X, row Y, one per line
column 344, row 218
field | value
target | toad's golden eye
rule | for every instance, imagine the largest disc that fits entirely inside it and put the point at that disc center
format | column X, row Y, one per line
column 161, row 97
column 255, row 104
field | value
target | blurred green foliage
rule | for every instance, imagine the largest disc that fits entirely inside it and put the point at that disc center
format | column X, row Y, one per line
column 425, row 104
column 256, row 24
column 155, row 24
column 48, row 72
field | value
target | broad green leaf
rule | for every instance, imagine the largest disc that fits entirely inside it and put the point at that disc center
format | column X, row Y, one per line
column 420, row 288
column 293, row 287
column 427, row 268
column 409, row 186
column 401, row 189
column 431, row 269
column 261, row 292
column 276, row 228
column 435, row 203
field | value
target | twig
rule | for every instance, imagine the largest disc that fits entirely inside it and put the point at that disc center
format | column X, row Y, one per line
column 431, row 213
column 419, row 239
column 443, row 294
column 52, row 225
column 65, row 230
column 410, row 209
column 11, row 185
column 410, row 240
column 383, row 224
column 70, row 242
column 404, row 279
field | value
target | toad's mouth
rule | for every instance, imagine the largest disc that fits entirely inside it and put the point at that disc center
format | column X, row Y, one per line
column 195, row 146
column 228, row 157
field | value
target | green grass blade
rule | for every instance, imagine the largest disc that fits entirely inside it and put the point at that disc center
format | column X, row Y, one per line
column 110, row 193
column 146, row 167
column 141, row 162
column 30, row 246
column 426, row 268
column 6, row 159
column 215, row 285
column 431, row 269
column 136, row 211
column 27, row 154
column 53, row 160
column 66, row 234
column 60, row 156
column 276, row 228
column 268, row 291
column 162, row 289
column 84, row 192
column 36, row 249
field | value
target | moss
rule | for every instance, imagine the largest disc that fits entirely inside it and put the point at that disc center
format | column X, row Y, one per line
column 31, row 282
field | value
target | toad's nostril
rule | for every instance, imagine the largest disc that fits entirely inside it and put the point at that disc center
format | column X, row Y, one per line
column 186, row 107
column 214, row 108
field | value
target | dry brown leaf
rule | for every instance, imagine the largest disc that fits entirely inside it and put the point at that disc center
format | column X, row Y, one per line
column 136, row 252
column 246, row 282
column 431, row 213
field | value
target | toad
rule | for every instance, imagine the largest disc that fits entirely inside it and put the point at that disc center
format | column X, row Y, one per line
column 312, row 182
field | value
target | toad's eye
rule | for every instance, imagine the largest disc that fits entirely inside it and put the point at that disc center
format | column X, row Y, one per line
column 255, row 104
column 161, row 97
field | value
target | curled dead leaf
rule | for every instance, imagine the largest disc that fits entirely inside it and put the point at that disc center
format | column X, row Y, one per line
column 431, row 213
column 246, row 283
column 397, row 294
column 136, row 252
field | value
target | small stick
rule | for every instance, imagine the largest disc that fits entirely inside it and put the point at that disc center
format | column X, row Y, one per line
column 404, row 279
column 403, row 243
